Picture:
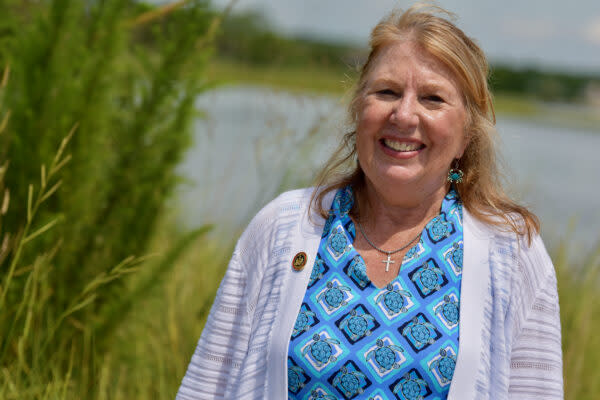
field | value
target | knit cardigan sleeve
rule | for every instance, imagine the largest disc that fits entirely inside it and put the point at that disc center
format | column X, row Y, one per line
column 536, row 357
column 223, row 342
column 223, row 346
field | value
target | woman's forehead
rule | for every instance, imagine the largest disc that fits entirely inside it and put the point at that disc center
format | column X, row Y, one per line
column 395, row 60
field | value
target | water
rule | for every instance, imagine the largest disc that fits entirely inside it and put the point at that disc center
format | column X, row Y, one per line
column 255, row 143
column 556, row 172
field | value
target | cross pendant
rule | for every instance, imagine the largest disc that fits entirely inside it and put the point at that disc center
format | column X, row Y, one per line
column 388, row 262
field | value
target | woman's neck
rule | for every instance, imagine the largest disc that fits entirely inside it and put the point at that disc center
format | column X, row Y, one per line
column 390, row 213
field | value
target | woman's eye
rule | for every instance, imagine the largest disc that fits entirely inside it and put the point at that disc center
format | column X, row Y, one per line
column 386, row 92
column 434, row 98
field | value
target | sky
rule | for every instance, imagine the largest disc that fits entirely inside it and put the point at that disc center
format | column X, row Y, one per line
column 552, row 34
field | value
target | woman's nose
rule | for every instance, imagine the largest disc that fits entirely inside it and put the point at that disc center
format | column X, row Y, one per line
column 404, row 112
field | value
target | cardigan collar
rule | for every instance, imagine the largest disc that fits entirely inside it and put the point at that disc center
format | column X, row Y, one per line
column 473, row 292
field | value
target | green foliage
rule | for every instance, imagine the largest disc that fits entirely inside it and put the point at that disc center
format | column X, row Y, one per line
column 578, row 287
column 81, row 219
column 547, row 86
column 248, row 38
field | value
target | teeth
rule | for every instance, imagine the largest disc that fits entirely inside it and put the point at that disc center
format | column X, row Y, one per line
column 401, row 146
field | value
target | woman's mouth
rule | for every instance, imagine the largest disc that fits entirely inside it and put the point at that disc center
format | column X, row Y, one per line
column 401, row 145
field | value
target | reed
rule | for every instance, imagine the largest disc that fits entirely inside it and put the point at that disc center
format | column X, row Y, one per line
column 578, row 286
column 78, row 220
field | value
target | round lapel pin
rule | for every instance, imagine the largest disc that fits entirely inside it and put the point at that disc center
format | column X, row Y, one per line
column 299, row 261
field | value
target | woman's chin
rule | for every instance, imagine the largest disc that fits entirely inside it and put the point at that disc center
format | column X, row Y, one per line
column 394, row 178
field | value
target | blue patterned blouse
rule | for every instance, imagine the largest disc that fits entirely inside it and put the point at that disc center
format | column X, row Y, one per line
column 354, row 340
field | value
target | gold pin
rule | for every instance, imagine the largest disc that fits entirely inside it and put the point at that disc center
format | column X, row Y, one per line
column 299, row 261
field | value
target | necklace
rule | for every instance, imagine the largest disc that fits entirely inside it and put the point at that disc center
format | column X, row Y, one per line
column 388, row 253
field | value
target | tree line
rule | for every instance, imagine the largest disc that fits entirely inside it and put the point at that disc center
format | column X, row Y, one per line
column 248, row 38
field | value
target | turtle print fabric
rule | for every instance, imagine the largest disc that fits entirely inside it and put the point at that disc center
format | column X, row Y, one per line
column 354, row 340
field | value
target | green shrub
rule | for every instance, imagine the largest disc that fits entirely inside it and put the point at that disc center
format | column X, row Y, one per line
column 578, row 286
column 124, row 85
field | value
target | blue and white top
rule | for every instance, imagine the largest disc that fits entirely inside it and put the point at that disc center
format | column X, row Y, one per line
column 353, row 339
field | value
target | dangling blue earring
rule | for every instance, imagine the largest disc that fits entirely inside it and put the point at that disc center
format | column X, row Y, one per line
column 455, row 175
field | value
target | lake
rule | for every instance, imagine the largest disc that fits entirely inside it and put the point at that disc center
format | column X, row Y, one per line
column 254, row 143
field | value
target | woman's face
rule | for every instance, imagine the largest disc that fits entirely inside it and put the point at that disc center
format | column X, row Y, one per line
column 411, row 122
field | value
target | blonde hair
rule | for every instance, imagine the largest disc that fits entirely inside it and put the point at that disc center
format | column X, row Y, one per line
column 481, row 189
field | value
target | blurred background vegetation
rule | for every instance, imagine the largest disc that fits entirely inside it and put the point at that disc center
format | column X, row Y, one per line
column 248, row 38
column 102, row 294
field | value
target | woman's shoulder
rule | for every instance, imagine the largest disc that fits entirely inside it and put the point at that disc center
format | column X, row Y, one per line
column 280, row 214
column 499, row 231
column 514, row 257
column 292, row 202
column 285, row 203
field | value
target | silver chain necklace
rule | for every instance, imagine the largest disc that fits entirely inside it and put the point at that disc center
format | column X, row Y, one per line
column 388, row 253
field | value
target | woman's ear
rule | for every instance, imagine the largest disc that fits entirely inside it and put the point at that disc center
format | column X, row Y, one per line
column 466, row 139
column 463, row 147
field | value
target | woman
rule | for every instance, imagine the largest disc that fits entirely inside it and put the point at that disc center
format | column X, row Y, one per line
column 363, row 287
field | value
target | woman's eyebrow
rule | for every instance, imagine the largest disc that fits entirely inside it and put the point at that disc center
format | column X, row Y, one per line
column 385, row 81
column 425, row 86
column 432, row 87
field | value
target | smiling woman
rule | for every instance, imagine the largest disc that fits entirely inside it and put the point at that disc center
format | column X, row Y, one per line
column 443, row 254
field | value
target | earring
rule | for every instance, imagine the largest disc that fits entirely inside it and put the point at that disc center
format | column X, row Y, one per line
column 455, row 175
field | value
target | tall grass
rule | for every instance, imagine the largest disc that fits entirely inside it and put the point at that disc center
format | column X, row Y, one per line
column 77, row 220
column 578, row 288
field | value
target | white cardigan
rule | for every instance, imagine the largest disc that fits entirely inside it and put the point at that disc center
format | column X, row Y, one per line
column 510, row 345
